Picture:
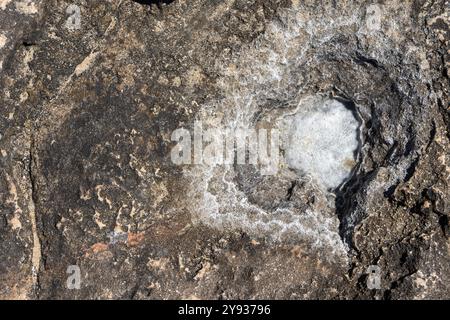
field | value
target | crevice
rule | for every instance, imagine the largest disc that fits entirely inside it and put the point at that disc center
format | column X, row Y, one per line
column 433, row 132
column 444, row 223
column 362, row 60
column 396, row 283
column 345, row 202
column 411, row 170
column 158, row 3
column 410, row 144
column 290, row 191
column 27, row 43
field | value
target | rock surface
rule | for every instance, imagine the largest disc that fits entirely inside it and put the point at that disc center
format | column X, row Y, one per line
column 93, row 90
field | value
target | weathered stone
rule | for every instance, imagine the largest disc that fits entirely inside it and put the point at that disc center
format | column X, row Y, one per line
column 86, row 178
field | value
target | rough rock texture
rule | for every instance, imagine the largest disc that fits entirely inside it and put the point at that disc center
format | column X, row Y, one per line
column 86, row 177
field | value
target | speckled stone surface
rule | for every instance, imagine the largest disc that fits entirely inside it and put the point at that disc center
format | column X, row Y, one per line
column 88, row 107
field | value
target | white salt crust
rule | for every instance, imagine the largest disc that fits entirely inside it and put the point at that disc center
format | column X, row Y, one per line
column 322, row 142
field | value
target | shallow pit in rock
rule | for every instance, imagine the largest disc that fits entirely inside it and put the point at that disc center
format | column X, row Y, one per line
column 322, row 141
